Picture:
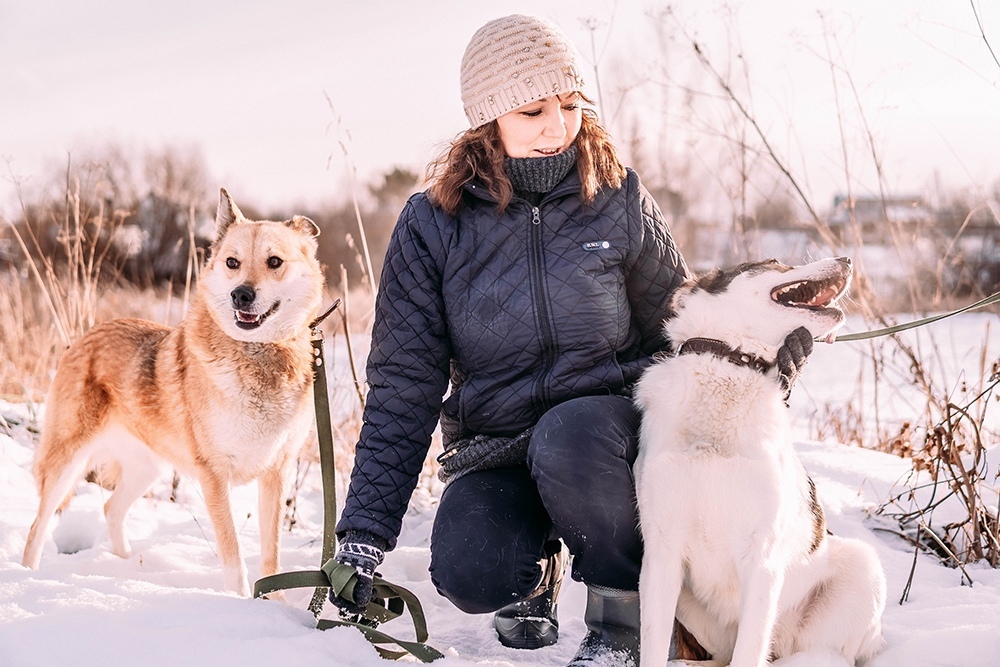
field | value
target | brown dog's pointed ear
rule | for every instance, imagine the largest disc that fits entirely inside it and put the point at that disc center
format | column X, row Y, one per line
column 303, row 225
column 227, row 214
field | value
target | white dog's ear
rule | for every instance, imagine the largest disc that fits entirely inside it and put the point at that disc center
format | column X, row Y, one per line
column 303, row 225
column 680, row 294
column 227, row 214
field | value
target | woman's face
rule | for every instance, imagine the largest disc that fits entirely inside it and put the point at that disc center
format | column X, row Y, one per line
column 542, row 128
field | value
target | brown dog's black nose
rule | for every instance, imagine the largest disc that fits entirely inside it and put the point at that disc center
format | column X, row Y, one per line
column 242, row 296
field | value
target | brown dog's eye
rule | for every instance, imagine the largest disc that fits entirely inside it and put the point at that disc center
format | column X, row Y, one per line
column 232, row 263
column 274, row 262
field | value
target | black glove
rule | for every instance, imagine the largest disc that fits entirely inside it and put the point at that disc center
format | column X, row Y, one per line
column 364, row 552
column 792, row 356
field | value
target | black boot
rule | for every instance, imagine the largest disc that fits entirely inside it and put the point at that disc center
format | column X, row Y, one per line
column 612, row 638
column 532, row 623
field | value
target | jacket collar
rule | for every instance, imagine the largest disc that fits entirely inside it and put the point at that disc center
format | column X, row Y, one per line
column 567, row 186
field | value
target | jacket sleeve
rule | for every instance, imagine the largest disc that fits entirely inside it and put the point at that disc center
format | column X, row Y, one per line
column 656, row 268
column 407, row 375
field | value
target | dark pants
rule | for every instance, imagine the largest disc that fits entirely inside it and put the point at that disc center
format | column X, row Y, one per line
column 493, row 527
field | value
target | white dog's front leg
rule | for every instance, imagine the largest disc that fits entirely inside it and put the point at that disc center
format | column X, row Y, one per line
column 758, row 611
column 659, row 588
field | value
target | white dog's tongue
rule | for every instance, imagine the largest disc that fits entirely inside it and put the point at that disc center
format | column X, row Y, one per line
column 824, row 297
column 832, row 336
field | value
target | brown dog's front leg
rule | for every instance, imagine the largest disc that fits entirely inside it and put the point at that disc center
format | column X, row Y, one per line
column 271, row 490
column 216, row 490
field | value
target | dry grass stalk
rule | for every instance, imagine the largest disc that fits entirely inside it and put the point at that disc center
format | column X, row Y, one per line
column 950, row 469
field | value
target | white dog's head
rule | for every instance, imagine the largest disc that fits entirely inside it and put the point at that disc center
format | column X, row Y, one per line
column 262, row 282
column 753, row 306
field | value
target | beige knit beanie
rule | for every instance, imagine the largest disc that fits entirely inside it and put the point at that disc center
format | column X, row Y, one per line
column 513, row 61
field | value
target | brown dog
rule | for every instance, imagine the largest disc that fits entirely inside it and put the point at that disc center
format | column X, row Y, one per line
column 225, row 396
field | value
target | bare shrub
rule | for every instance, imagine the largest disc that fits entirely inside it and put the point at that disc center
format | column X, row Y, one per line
column 152, row 222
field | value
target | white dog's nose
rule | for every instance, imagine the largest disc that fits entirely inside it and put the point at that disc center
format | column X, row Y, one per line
column 844, row 260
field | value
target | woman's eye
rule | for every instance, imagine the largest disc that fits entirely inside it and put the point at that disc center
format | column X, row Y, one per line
column 532, row 114
column 274, row 262
column 570, row 107
column 232, row 263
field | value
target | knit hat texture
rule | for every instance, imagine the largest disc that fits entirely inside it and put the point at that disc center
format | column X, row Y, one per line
column 513, row 61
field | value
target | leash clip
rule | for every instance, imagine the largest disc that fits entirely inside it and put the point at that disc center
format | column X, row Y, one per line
column 316, row 333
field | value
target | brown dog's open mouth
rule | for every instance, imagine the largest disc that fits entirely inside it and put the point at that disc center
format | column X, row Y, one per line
column 246, row 320
column 811, row 294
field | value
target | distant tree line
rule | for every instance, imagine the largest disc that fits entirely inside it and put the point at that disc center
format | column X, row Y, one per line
column 149, row 220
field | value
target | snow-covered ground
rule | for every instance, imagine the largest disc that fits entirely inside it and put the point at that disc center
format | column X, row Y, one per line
column 164, row 606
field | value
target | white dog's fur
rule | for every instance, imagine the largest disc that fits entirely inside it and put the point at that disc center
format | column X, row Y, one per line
column 735, row 541
column 225, row 396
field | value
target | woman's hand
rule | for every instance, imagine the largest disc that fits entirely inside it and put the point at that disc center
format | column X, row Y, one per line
column 792, row 356
column 364, row 552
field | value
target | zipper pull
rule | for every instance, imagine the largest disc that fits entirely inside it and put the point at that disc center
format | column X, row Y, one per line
column 536, row 219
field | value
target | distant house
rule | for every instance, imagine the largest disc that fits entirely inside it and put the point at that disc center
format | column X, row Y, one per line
column 878, row 217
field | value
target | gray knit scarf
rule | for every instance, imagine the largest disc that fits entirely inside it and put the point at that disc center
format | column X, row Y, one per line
column 538, row 175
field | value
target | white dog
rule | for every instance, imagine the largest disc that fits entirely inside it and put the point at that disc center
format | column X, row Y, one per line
column 735, row 540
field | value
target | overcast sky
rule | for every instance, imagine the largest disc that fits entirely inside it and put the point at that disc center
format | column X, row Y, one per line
column 268, row 91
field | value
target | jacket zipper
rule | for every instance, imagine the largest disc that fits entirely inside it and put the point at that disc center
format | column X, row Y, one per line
column 537, row 263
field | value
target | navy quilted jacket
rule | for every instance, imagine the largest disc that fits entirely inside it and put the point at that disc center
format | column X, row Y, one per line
column 520, row 311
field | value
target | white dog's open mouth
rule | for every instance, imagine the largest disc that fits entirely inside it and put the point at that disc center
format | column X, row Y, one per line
column 817, row 295
column 247, row 320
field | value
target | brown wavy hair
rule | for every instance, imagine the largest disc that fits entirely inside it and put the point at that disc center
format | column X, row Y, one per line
column 478, row 154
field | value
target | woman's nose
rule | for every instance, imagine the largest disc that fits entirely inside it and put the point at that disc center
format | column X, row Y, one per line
column 555, row 124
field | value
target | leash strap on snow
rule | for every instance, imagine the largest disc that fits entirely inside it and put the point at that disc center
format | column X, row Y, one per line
column 389, row 600
column 993, row 298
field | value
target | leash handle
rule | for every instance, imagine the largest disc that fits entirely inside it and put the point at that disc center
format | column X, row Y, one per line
column 389, row 601
column 993, row 298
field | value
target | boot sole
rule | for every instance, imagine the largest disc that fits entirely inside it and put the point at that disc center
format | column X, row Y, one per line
column 525, row 634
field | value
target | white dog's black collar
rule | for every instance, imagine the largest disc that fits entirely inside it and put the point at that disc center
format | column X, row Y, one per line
column 720, row 349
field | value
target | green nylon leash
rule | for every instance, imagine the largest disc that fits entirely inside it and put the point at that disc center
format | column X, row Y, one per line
column 324, row 433
column 993, row 298
column 389, row 600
